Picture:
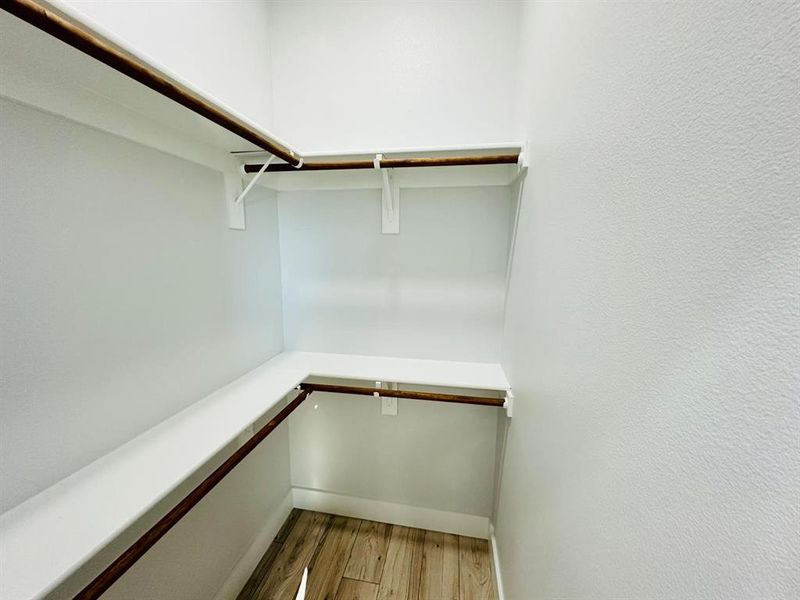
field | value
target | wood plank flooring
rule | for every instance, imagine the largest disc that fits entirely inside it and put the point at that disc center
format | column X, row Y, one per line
column 351, row 559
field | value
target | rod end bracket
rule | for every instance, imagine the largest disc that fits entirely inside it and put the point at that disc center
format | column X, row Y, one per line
column 508, row 405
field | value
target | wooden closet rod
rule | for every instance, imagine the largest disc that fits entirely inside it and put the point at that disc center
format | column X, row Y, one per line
column 81, row 38
column 128, row 558
column 390, row 163
column 433, row 396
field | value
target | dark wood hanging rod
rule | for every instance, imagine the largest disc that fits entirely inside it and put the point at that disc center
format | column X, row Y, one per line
column 135, row 551
column 412, row 395
column 390, row 163
column 80, row 37
column 128, row 558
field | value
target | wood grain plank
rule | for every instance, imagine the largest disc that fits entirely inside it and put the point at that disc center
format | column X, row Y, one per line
column 294, row 556
column 403, row 565
column 287, row 526
column 451, row 568
column 475, row 582
column 439, row 575
column 432, row 565
column 259, row 575
column 369, row 552
column 415, row 581
column 330, row 560
column 493, row 576
column 350, row 589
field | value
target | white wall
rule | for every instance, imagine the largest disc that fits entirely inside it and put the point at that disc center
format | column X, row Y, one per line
column 433, row 291
column 652, row 331
column 364, row 75
column 354, row 75
column 223, row 48
column 125, row 298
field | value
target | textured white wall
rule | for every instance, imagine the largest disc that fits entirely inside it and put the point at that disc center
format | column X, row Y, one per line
column 652, row 331
column 355, row 75
column 221, row 47
column 433, row 291
column 125, row 298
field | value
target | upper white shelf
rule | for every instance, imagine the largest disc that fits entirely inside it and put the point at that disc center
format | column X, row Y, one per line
column 42, row 71
column 39, row 70
column 45, row 539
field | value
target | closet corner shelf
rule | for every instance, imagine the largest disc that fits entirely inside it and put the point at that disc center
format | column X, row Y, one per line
column 48, row 537
column 57, row 59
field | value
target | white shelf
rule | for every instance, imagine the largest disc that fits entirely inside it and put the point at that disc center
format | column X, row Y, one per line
column 444, row 373
column 45, row 539
column 40, row 71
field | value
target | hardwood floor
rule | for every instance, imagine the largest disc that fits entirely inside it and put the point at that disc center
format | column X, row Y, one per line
column 351, row 559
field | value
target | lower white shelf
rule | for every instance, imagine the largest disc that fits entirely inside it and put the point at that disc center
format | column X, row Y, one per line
column 46, row 538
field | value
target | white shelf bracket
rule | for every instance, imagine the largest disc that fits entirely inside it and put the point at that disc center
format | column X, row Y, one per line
column 254, row 180
column 233, row 183
column 388, row 403
column 390, row 199
column 522, row 161
column 236, row 217
column 508, row 405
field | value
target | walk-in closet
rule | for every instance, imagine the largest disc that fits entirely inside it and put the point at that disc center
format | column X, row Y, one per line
column 399, row 300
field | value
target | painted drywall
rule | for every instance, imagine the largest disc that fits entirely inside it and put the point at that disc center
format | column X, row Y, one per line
column 379, row 75
column 433, row 291
column 652, row 330
column 430, row 455
column 125, row 296
column 222, row 48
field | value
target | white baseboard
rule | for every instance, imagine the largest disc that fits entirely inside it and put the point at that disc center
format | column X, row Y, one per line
column 241, row 572
column 498, row 576
column 389, row 512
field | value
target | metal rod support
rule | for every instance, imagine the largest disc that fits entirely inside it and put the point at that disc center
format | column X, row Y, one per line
column 253, row 181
